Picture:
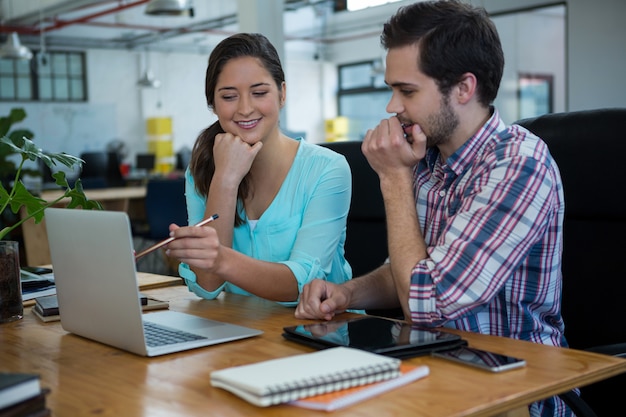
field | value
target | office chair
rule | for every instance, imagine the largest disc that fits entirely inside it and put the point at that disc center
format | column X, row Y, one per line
column 589, row 147
column 366, row 230
column 145, row 162
column 114, row 177
column 93, row 172
column 101, row 169
column 165, row 204
column 183, row 156
column 366, row 236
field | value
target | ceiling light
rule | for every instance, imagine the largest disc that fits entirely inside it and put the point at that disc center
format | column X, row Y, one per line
column 148, row 80
column 169, row 7
column 13, row 49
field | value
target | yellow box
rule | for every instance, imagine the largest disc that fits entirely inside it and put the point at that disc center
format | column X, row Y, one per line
column 336, row 138
column 159, row 126
column 164, row 168
column 161, row 148
column 337, row 126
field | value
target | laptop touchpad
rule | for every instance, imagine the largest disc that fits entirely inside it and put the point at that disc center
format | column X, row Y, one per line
column 181, row 321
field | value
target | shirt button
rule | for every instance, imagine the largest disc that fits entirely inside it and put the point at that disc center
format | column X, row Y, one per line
column 442, row 193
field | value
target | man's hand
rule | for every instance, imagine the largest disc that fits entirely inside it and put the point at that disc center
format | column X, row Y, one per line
column 387, row 149
column 322, row 300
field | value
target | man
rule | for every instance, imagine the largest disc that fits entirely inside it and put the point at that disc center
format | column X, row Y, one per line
column 474, row 207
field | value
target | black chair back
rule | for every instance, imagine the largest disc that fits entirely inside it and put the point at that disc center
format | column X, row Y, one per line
column 366, row 231
column 366, row 235
column 589, row 147
column 101, row 169
column 165, row 204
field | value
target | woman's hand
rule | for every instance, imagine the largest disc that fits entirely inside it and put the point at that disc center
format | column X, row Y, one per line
column 233, row 157
column 198, row 247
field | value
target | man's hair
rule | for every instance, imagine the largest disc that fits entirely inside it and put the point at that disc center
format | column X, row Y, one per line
column 454, row 38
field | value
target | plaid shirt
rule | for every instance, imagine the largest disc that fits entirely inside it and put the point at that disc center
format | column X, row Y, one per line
column 492, row 218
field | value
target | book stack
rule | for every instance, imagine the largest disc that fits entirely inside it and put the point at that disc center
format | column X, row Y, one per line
column 21, row 395
column 47, row 308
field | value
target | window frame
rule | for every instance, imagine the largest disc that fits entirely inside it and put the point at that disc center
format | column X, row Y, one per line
column 370, row 88
column 66, row 80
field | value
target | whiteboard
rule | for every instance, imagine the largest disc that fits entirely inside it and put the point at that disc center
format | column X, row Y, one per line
column 70, row 128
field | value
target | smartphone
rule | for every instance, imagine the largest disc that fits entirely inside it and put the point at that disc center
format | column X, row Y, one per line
column 482, row 359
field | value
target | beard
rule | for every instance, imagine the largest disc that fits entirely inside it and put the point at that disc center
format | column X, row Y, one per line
column 440, row 126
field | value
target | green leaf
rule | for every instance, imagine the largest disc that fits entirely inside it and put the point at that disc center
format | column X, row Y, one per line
column 69, row 161
column 79, row 199
column 59, row 179
column 34, row 205
column 13, row 193
column 15, row 116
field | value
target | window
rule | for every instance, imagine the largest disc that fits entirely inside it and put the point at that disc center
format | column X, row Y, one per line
column 363, row 96
column 57, row 76
column 535, row 94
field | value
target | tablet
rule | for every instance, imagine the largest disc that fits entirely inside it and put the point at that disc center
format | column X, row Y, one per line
column 374, row 334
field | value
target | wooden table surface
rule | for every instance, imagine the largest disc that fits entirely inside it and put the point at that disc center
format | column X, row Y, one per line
column 104, row 195
column 114, row 199
column 88, row 378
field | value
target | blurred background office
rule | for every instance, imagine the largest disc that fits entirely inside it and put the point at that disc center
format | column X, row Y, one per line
column 97, row 73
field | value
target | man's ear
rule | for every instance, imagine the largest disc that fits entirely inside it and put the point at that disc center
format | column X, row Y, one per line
column 466, row 88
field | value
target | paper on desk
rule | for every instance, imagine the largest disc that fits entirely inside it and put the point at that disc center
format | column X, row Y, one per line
column 31, row 280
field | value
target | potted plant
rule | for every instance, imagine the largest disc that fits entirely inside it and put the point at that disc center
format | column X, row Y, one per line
column 16, row 198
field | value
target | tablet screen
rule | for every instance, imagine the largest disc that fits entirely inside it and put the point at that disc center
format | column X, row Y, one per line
column 374, row 334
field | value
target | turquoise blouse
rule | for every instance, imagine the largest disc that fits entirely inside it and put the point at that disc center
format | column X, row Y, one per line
column 304, row 227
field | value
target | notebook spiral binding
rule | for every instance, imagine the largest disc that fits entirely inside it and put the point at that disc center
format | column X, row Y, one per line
column 332, row 382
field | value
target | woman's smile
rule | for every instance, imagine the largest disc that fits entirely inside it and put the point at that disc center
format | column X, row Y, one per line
column 248, row 124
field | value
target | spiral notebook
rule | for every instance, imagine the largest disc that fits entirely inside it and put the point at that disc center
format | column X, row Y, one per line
column 287, row 379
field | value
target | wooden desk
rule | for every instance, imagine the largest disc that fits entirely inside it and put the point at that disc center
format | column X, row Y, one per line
column 88, row 378
column 147, row 281
column 114, row 199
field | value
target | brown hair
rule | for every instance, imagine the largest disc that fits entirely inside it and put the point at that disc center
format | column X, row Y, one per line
column 454, row 38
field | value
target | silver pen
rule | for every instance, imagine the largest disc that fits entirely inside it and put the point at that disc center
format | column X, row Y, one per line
column 170, row 239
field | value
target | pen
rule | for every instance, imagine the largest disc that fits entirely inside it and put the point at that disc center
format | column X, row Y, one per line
column 168, row 240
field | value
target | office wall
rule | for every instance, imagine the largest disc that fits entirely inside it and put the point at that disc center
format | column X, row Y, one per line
column 596, row 51
column 596, row 54
column 117, row 109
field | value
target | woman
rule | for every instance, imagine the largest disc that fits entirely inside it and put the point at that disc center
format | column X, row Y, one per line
column 282, row 202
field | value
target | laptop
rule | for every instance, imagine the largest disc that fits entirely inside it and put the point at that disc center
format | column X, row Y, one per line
column 97, row 289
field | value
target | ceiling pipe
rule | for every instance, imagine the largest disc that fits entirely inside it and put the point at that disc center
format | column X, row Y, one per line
column 169, row 32
column 59, row 23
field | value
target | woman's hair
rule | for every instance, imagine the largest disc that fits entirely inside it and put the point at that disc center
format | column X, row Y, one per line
column 454, row 38
column 202, row 164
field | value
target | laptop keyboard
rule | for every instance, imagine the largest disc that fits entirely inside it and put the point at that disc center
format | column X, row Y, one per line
column 157, row 335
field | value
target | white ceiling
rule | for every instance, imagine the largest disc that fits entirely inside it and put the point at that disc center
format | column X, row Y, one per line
column 122, row 24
